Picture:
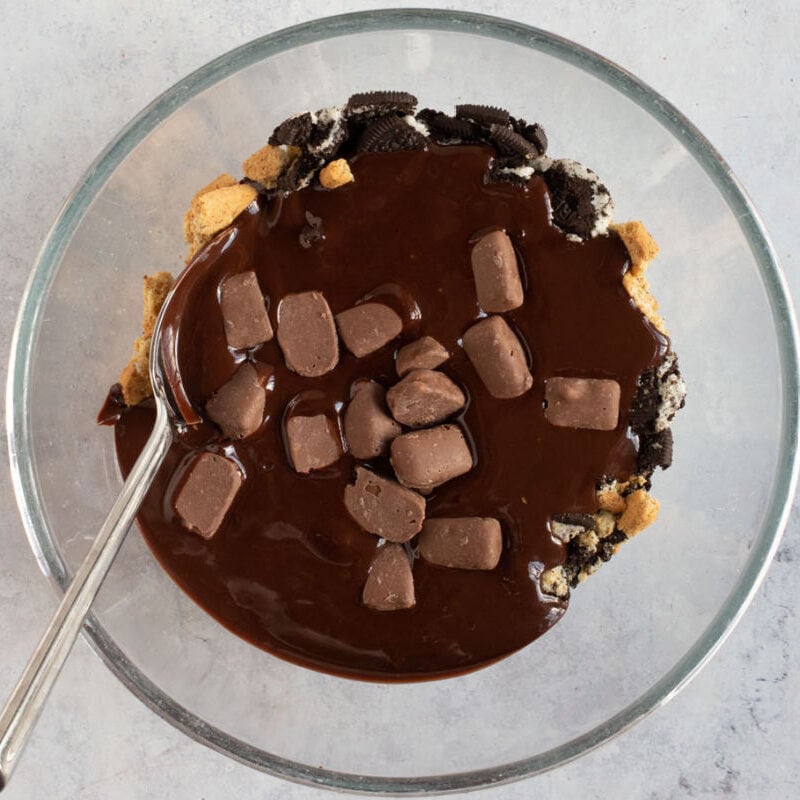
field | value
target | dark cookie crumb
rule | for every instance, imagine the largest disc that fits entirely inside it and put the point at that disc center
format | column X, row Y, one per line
column 388, row 134
column 483, row 115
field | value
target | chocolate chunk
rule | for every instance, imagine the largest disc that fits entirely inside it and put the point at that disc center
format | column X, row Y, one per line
column 655, row 450
column 390, row 584
column 572, row 199
column 384, row 507
column 426, row 459
column 313, row 442
column 483, row 115
column 365, row 105
column 307, row 334
column 368, row 327
column 589, row 403
column 425, row 353
column 498, row 358
column 510, row 143
column 206, row 493
column 424, row 397
column 243, row 312
column 494, row 266
column 238, row 405
column 368, row 428
column 312, row 231
column 293, row 131
column 388, row 134
column 462, row 542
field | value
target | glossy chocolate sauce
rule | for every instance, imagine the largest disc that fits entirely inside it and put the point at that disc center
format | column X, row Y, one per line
column 287, row 568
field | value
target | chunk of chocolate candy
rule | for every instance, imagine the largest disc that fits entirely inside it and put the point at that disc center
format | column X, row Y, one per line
column 462, row 542
column 384, row 507
column 206, row 493
column 591, row 403
column 390, row 584
column 425, row 353
column 313, row 442
column 243, row 312
column 238, row 405
column 498, row 358
column 307, row 334
column 424, row 397
column 426, row 459
column 368, row 428
column 368, row 327
column 494, row 267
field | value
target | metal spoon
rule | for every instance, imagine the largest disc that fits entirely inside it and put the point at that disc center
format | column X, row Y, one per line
column 29, row 695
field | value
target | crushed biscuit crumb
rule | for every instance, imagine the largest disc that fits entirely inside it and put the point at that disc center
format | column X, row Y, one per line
column 266, row 165
column 135, row 378
column 638, row 290
column 640, row 245
column 604, row 523
column 554, row 582
column 336, row 174
column 641, row 510
column 609, row 497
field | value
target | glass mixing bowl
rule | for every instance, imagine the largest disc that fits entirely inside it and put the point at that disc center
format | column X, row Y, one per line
column 637, row 630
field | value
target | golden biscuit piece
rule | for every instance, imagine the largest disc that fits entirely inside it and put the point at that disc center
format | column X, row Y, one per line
column 641, row 510
column 610, row 498
column 640, row 245
column 642, row 249
column 135, row 378
column 212, row 210
column 336, row 174
column 639, row 291
column 267, row 164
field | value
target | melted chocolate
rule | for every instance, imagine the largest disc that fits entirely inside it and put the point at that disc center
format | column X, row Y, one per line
column 288, row 565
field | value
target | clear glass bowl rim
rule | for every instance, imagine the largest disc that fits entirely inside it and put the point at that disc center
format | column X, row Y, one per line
column 27, row 326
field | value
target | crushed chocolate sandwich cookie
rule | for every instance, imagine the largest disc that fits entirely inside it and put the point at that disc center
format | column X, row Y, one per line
column 433, row 387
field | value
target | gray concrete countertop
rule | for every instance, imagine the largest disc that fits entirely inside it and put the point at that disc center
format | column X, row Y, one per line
column 74, row 72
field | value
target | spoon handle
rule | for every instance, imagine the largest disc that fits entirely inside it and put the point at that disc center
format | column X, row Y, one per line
column 29, row 695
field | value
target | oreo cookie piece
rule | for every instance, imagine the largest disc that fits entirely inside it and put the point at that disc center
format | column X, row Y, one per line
column 366, row 105
column 509, row 143
column 293, row 131
column 483, row 115
column 580, row 203
column 536, row 136
column 445, row 128
column 655, row 450
column 389, row 134
column 327, row 134
column 646, row 401
column 300, row 173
